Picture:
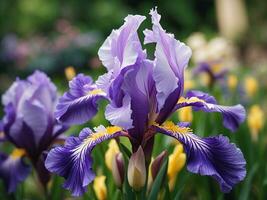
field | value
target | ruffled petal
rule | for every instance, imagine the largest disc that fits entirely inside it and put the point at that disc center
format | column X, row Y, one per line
column 233, row 116
column 73, row 160
column 122, row 48
column 13, row 170
column 213, row 156
column 79, row 104
column 120, row 116
column 171, row 58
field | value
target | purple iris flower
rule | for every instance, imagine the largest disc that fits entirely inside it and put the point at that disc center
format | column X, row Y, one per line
column 214, row 70
column 29, row 124
column 142, row 94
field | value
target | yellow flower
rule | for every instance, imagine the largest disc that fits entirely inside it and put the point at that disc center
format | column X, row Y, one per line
column 176, row 162
column 100, row 188
column 232, row 82
column 185, row 114
column 70, row 72
column 251, row 86
column 205, row 79
column 113, row 149
column 255, row 121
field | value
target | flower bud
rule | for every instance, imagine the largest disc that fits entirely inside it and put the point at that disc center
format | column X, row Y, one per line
column 70, row 73
column 118, row 169
column 176, row 162
column 154, row 168
column 100, row 188
column 255, row 121
column 232, row 82
column 251, row 86
column 185, row 114
column 157, row 163
column 113, row 150
column 137, row 170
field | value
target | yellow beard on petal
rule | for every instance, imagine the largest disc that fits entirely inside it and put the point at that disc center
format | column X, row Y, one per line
column 95, row 92
column 190, row 100
column 18, row 153
column 170, row 126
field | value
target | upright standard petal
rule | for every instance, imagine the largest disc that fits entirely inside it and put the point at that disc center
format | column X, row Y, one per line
column 122, row 48
column 79, row 104
column 213, row 156
column 73, row 160
column 13, row 170
column 171, row 58
column 233, row 116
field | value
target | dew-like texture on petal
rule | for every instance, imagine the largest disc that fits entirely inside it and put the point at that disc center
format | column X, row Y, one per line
column 13, row 171
column 73, row 161
column 213, row 156
column 80, row 103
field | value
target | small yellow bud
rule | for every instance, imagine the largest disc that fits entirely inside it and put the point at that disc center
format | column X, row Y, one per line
column 217, row 68
column 185, row 114
column 251, row 86
column 205, row 79
column 100, row 188
column 137, row 170
column 232, row 82
column 255, row 121
column 70, row 72
column 113, row 149
column 176, row 163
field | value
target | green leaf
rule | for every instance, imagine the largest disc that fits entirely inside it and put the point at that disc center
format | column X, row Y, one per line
column 127, row 190
column 56, row 189
column 158, row 182
column 127, row 153
column 246, row 188
column 178, row 194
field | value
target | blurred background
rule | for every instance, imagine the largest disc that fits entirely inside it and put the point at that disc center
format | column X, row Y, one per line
column 62, row 38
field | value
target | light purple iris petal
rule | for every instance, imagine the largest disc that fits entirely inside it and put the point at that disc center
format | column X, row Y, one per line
column 40, row 78
column 233, row 116
column 29, row 113
column 74, row 162
column 122, row 47
column 103, row 82
column 120, row 116
column 13, row 170
column 171, row 58
column 14, row 93
column 79, row 104
column 213, row 156
column 35, row 119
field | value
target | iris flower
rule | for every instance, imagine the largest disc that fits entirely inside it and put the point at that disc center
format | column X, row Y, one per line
column 142, row 94
column 29, row 124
